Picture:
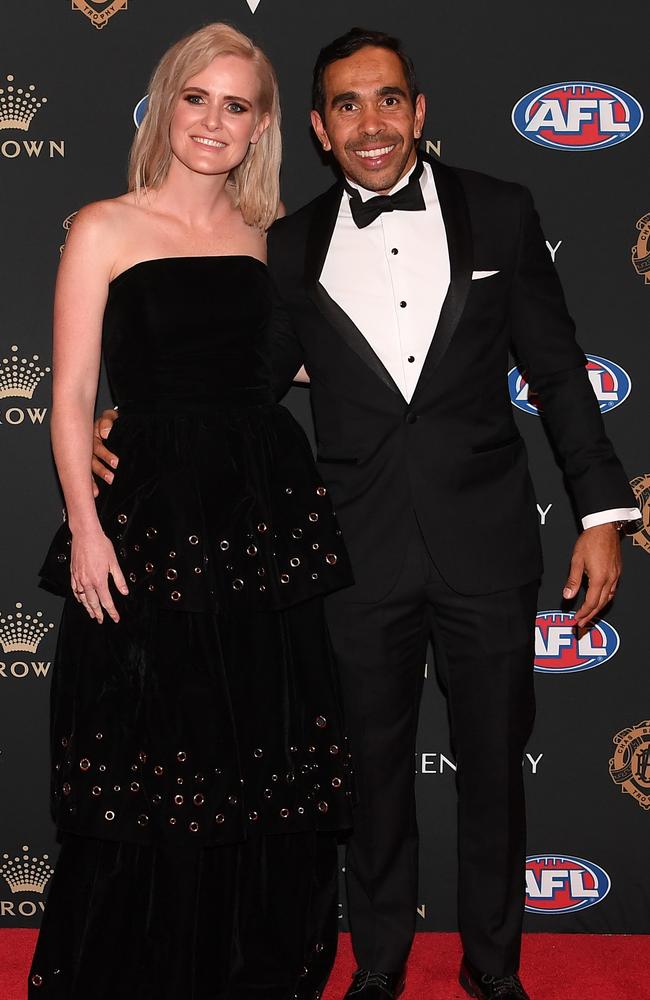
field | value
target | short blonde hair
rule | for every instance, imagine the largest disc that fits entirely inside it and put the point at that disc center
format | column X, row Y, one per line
column 256, row 181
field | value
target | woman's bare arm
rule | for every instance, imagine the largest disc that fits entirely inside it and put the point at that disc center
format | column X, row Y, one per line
column 81, row 291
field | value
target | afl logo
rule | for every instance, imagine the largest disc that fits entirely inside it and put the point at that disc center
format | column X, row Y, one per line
column 610, row 382
column 558, row 650
column 140, row 110
column 577, row 116
column 559, row 884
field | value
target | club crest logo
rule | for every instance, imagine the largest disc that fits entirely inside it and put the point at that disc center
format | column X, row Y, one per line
column 577, row 116
column 558, row 650
column 630, row 765
column 641, row 489
column 611, row 384
column 99, row 12
column 641, row 250
column 561, row 884
column 66, row 225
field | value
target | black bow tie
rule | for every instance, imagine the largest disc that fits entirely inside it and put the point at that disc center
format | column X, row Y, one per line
column 407, row 199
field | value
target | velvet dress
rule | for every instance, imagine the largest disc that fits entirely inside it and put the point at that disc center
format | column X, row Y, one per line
column 199, row 767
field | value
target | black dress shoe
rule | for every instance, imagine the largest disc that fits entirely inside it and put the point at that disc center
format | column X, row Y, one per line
column 368, row 985
column 486, row 987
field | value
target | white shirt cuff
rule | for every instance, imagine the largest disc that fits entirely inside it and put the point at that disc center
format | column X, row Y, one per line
column 607, row 516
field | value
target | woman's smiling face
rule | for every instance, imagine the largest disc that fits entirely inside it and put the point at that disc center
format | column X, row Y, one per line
column 217, row 116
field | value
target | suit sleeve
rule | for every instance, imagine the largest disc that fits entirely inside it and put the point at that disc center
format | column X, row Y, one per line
column 285, row 347
column 544, row 344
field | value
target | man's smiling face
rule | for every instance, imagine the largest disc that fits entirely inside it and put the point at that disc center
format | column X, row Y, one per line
column 369, row 121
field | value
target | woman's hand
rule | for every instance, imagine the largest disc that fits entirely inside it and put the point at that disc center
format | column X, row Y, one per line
column 93, row 560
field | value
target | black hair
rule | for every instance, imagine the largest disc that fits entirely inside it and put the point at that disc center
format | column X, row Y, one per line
column 347, row 45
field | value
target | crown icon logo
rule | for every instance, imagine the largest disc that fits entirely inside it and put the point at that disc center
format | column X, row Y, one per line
column 25, row 874
column 18, row 105
column 20, row 376
column 21, row 633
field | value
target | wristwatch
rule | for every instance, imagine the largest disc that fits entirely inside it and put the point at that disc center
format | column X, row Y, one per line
column 630, row 527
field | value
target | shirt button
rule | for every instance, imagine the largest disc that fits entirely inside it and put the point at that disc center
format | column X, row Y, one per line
column 411, row 358
column 402, row 304
column 395, row 251
column 411, row 418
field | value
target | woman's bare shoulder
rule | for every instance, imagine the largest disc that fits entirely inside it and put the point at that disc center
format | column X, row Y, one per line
column 102, row 228
column 105, row 214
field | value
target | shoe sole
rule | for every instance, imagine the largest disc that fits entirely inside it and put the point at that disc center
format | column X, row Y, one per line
column 467, row 986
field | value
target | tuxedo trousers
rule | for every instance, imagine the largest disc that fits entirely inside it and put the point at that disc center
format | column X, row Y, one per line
column 484, row 649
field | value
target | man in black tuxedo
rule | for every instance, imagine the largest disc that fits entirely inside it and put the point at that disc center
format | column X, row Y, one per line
column 402, row 290
column 404, row 287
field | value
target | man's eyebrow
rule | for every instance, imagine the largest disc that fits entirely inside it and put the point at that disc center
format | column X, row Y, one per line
column 349, row 95
column 388, row 91
column 353, row 95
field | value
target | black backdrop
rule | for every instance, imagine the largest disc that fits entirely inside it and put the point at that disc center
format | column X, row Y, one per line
column 475, row 62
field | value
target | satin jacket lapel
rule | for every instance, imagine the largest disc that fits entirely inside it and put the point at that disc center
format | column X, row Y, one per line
column 318, row 243
column 455, row 215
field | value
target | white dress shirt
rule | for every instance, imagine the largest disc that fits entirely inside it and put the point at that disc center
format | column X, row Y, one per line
column 391, row 278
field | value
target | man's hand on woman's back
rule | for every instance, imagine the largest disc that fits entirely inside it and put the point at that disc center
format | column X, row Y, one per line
column 104, row 461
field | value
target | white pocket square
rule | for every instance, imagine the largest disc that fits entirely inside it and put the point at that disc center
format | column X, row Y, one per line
column 476, row 275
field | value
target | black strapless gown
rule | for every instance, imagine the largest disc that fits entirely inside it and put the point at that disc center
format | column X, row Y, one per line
column 200, row 769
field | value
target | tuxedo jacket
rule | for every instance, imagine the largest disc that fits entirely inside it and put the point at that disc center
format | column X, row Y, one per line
column 453, row 454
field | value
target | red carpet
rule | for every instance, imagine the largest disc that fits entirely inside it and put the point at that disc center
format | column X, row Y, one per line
column 554, row 967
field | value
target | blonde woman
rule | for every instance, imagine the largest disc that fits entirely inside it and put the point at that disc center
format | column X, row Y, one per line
column 199, row 768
